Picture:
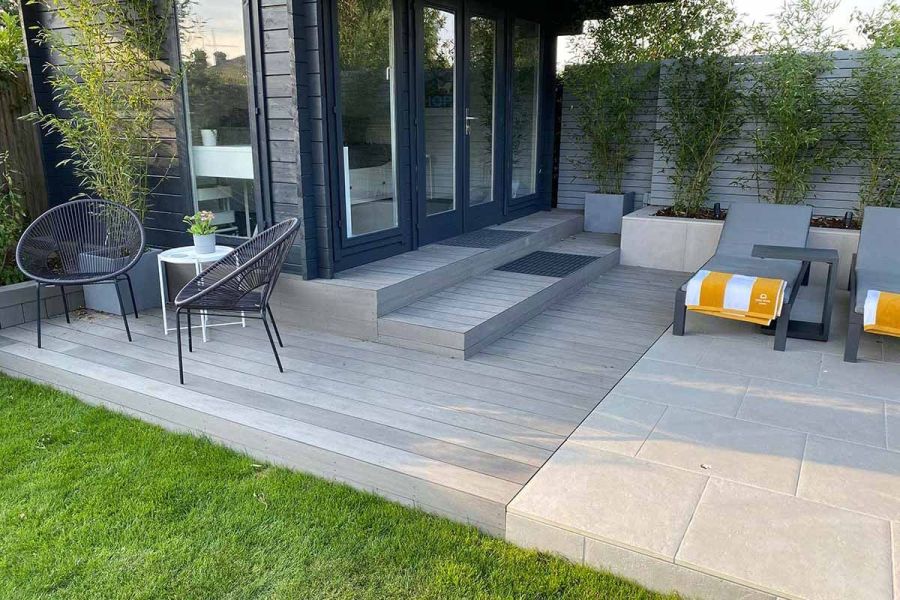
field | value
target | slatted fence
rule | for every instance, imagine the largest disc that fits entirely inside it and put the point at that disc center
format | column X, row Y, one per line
column 833, row 192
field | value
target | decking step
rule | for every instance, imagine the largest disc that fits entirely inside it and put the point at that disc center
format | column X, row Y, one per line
column 351, row 303
column 460, row 320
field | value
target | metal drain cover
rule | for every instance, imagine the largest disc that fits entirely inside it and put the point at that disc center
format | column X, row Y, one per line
column 484, row 238
column 549, row 264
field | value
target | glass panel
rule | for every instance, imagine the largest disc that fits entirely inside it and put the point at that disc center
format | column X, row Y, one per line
column 218, row 112
column 526, row 81
column 480, row 115
column 440, row 104
column 365, row 47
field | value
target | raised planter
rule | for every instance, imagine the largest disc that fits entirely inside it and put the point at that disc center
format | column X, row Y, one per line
column 18, row 302
column 144, row 278
column 677, row 244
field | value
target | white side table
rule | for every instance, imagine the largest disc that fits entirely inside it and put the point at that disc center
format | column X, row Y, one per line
column 187, row 256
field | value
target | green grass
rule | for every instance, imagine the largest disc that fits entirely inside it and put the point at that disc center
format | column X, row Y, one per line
column 97, row 505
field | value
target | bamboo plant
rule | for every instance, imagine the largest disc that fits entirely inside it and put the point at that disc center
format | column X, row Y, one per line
column 111, row 85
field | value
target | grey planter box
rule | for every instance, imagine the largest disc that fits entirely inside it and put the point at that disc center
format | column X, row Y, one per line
column 18, row 302
column 144, row 278
column 603, row 212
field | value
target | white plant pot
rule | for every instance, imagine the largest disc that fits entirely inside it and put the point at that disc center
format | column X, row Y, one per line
column 205, row 244
column 209, row 137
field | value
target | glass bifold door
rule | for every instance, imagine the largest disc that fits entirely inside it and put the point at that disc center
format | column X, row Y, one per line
column 456, row 98
column 421, row 91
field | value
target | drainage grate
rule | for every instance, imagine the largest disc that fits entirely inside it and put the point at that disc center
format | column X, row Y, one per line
column 549, row 264
column 484, row 238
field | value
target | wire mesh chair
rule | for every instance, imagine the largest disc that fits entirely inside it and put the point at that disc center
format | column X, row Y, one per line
column 82, row 242
column 241, row 282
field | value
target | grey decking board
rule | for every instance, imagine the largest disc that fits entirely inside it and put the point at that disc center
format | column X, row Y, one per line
column 447, row 502
column 526, row 384
column 401, row 461
column 532, row 374
column 369, row 374
column 474, row 421
column 386, row 426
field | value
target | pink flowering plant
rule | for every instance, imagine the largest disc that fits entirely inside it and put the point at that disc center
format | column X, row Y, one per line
column 201, row 223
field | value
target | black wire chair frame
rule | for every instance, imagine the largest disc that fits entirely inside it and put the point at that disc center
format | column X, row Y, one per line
column 239, row 283
column 82, row 242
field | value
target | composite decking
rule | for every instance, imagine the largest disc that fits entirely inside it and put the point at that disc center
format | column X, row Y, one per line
column 458, row 438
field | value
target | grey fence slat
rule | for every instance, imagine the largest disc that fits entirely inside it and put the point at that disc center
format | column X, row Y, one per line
column 648, row 172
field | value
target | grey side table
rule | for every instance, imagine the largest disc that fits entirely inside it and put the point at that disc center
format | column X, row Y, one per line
column 808, row 330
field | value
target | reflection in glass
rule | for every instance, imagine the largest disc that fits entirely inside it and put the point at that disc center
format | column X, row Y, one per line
column 480, row 114
column 217, row 106
column 365, row 47
column 440, row 104
column 524, row 122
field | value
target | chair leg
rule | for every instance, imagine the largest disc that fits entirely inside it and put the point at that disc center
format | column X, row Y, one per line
column 178, row 341
column 122, row 308
column 854, row 334
column 680, row 312
column 39, row 315
column 65, row 300
column 274, row 325
column 131, row 291
column 190, row 332
column 781, row 327
column 272, row 342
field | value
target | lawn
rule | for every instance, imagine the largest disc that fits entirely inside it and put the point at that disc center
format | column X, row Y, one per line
column 97, row 505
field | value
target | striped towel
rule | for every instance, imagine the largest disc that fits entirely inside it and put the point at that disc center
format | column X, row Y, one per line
column 739, row 297
column 881, row 313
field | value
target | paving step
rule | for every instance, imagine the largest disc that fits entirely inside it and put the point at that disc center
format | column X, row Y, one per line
column 459, row 320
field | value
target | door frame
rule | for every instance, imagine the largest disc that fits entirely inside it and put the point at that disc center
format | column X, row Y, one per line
column 349, row 251
column 489, row 213
column 441, row 226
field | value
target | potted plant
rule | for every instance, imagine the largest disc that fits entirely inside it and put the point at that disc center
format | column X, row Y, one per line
column 607, row 102
column 201, row 226
column 109, row 80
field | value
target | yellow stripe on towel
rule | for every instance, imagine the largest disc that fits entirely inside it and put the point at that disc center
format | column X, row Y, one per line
column 882, row 313
column 738, row 297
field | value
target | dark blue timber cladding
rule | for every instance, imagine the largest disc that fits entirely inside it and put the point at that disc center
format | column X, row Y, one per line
column 306, row 41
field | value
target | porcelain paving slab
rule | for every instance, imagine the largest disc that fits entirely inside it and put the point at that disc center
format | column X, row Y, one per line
column 864, row 377
column 788, row 546
column 892, row 422
column 620, row 424
column 852, row 476
column 629, row 502
column 895, row 530
column 684, row 386
column 733, row 356
column 816, row 410
column 728, row 448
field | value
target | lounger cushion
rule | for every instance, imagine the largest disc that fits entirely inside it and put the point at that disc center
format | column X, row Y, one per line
column 771, row 224
column 868, row 279
column 788, row 270
column 765, row 224
column 878, row 242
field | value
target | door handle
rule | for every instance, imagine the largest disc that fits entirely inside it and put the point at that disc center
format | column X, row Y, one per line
column 469, row 122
